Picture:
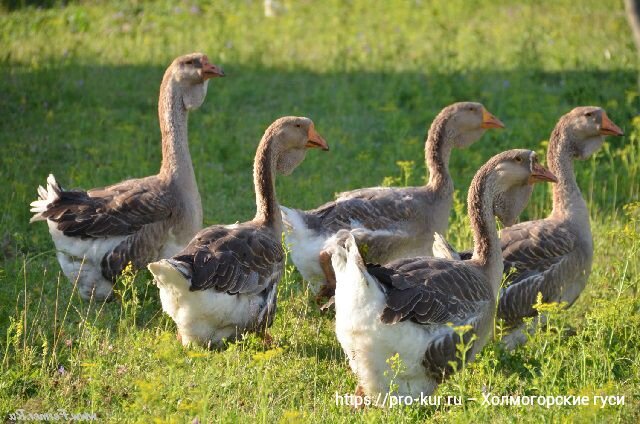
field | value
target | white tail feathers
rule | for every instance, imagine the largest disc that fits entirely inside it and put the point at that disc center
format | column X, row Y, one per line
column 287, row 218
column 45, row 198
column 442, row 248
column 353, row 252
column 169, row 273
column 343, row 248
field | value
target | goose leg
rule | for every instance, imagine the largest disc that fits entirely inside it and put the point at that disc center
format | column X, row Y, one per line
column 329, row 288
column 359, row 394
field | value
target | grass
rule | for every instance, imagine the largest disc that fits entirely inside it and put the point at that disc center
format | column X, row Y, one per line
column 79, row 90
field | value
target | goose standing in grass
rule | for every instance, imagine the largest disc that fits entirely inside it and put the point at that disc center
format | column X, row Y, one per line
column 99, row 231
column 391, row 222
column 225, row 281
column 552, row 256
column 406, row 307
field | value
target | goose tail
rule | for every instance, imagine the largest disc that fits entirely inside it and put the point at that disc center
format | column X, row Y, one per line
column 170, row 273
column 443, row 249
column 344, row 250
column 46, row 197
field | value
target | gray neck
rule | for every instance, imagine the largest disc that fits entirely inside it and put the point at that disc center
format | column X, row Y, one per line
column 437, row 153
column 177, row 169
column 267, row 210
column 567, row 198
column 176, row 159
column 486, row 243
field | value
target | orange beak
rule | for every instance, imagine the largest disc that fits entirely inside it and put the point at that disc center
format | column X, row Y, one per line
column 209, row 70
column 609, row 128
column 490, row 121
column 316, row 140
column 540, row 174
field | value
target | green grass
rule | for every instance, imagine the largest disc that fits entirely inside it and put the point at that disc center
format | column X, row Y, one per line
column 78, row 93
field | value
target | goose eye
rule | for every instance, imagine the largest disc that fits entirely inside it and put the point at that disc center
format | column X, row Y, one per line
column 518, row 159
column 189, row 62
column 298, row 125
column 588, row 114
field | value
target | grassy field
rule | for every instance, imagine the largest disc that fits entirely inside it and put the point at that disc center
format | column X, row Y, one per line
column 78, row 97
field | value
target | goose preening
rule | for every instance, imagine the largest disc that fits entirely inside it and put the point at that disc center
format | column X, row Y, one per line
column 405, row 307
column 225, row 281
column 99, row 231
column 552, row 256
column 391, row 222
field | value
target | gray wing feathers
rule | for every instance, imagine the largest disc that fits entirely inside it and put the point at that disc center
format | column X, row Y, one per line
column 537, row 258
column 371, row 209
column 241, row 260
column 429, row 290
column 138, row 249
column 117, row 210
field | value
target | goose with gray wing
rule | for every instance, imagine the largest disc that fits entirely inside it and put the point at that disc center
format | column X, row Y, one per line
column 226, row 280
column 98, row 232
column 392, row 222
column 552, row 256
column 407, row 306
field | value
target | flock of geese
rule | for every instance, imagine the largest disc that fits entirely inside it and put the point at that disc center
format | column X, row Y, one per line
column 397, row 286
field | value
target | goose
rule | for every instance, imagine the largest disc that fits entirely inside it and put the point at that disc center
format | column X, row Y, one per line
column 551, row 256
column 225, row 281
column 98, row 232
column 410, row 306
column 392, row 222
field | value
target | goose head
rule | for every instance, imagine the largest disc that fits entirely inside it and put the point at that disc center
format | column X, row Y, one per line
column 468, row 121
column 587, row 127
column 518, row 171
column 292, row 137
column 191, row 74
column 518, row 167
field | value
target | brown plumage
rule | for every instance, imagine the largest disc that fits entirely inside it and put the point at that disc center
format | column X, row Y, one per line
column 407, row 306
column 392, row 222
column 225, row 281
column 553, row 256
column 99, row 231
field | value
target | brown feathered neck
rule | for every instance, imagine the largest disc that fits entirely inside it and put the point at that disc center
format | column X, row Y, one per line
column 438, row 145
column 486, row 243
column 567, row 198
column 264, row 166
column 172, row 113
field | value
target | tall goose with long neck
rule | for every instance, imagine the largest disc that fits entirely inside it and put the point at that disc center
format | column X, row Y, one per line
column 99, row 231
column 552, row 256
column 392, row 222
column 406, row 306
column 225, row 281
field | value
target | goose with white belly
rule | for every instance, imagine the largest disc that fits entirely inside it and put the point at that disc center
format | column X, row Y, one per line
column 226, row 280
column 99, row 231
column 392, row 222
column 552, row 256
column 406, row 306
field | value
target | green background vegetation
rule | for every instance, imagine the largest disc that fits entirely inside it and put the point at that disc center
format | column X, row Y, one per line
column 78, row 97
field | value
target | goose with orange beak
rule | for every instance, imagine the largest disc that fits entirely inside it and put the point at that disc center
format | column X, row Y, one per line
column 225, row 282
column 392, row 222
column 551, row 256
